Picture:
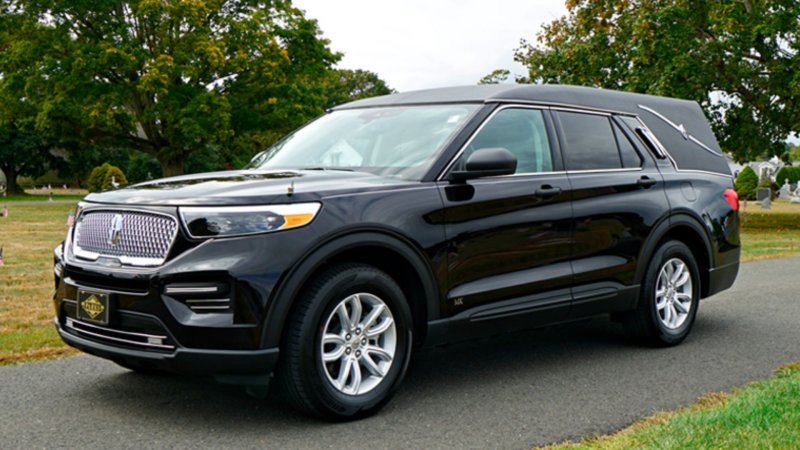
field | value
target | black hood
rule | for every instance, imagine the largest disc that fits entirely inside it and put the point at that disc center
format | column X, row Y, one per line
column 247, row 187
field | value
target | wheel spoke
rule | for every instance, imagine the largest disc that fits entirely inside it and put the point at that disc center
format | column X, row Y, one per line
column 344, row 318
column 674, row 315
column 337, row 352
column 681, row 308
column 685, row 276
column 668, row 271
column 667, row 315
column 372, row 317
column 355, row 313
column 380, row 328
column 679, row 268
column 344, row 373
column 661, row 301
column 356, row 375
column 371, row 365
column 377, row 351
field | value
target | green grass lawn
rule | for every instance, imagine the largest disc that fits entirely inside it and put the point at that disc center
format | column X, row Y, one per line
column 28, row 236
column 43, row 196
column 765, row 414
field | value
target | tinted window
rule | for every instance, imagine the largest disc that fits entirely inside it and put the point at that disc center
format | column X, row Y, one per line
column 590, row 142
column 522, row 131
column 630, row 157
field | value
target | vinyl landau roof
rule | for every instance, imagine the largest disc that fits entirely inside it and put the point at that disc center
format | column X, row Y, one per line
column 680, row 125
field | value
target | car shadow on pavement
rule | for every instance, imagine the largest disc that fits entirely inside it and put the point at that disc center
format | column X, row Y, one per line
column 537, row 359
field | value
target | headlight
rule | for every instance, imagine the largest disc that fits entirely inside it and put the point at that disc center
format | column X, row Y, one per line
column 205, row 222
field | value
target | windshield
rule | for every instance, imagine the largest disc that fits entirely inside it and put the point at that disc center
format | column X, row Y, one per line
column 400, row 142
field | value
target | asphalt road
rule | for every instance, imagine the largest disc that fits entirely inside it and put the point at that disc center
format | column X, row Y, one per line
column 514, row 391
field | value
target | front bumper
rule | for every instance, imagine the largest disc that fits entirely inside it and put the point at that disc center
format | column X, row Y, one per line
column 180, row 360
column 157, row 317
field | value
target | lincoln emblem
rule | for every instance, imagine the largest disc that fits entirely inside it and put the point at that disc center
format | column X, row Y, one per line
column 116, row 230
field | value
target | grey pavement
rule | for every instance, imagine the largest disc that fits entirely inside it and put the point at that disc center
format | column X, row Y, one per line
column 513, row 391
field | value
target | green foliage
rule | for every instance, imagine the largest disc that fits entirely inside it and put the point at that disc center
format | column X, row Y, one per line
column 21, row 153
column 113, row 179
column 794, row 153
column 168, row 78
column 496, row 77
column 742, row 52
column 143, row 167
column 787, row 172
column 345, row 85
column 101, row 178
column 747, row 184
column 207, row 159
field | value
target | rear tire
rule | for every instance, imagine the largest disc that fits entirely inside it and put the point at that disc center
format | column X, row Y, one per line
column 669, row 298
column 347, row 344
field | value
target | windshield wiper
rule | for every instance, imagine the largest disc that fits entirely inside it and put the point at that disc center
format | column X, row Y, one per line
column 326, row 168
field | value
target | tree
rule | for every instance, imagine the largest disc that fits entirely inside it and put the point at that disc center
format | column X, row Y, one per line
column 345, row 85
column 23, row 150
column 169, row 78
column 496, row 77
column 747, row 183
column 739, row 59
column 21, row 153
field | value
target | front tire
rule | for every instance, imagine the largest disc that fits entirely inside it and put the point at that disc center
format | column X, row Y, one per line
column 669, row 298
column 347, row 344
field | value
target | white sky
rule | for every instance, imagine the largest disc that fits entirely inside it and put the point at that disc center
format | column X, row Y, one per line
column 418, row 44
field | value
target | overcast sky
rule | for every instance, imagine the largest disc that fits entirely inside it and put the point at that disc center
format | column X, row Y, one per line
column 418, row 44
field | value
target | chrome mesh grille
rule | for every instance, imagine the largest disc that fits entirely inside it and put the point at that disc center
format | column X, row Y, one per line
column 143, row 239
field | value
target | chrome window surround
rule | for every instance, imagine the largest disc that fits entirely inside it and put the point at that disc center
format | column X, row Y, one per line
column 542, row 107
column 125, row 260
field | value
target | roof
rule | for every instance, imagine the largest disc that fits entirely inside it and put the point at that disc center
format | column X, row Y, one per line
column 680, row 125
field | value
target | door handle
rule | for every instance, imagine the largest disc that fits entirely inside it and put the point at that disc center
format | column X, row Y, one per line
column 546, row 191
column 646, row 182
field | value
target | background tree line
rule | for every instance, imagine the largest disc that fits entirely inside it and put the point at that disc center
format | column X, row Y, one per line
column 159, row 87
column 737, row 58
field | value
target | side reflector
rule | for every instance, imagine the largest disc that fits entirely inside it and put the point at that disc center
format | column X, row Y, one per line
column 733, row 198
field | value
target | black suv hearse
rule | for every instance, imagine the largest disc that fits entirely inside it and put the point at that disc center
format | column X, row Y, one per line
column 403, row 221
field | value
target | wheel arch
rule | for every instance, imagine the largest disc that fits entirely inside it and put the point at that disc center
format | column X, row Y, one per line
column 385, row 250
column 689, row 230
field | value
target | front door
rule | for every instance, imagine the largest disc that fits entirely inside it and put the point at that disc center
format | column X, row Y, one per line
column 509, row 236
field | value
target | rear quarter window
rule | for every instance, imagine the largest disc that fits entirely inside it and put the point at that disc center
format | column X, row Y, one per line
column 590, row 142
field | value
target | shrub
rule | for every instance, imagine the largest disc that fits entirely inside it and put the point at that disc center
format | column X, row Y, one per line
column 787, row 172
column 114, row 174
column 747, row 184
column 100, row 178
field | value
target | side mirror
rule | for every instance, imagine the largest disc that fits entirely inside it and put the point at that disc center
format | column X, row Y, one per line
column 487, row 162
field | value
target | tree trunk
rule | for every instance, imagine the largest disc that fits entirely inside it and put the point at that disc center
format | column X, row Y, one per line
column 171, row 167
column 12, row 188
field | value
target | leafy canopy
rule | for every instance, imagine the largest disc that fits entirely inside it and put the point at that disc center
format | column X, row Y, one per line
column 172, row 77
column 739, row 59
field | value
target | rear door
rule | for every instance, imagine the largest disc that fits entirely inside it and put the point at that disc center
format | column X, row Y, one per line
column 617, row 199
column 509, row 236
